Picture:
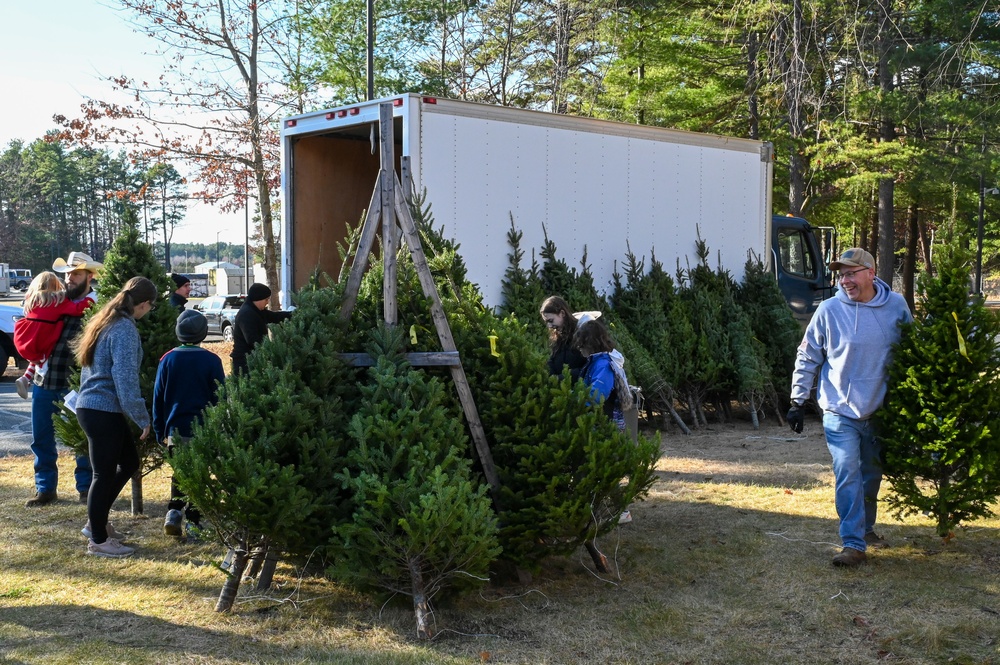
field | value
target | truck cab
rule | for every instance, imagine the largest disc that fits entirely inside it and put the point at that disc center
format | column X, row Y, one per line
column 801, row 254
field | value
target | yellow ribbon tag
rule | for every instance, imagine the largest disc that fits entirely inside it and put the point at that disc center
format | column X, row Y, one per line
column 961, row 340
column 493, row 346
column 413, row 334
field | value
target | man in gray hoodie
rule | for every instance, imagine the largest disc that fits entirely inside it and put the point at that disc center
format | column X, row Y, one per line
column 845, row 352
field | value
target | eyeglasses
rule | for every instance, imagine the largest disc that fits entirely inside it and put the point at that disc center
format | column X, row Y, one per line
column 841, row 276
column 152, row 305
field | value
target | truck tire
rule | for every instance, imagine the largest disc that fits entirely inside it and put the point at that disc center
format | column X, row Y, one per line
column 21, row 286
column 227, row 333
column 3, row 360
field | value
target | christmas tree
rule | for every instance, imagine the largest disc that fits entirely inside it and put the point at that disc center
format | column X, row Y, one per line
column 940, row 427
column 423, row 522
column 262, row 466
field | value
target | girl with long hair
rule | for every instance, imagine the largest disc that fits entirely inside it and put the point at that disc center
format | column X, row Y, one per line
column 562, row 325
column 110, row 352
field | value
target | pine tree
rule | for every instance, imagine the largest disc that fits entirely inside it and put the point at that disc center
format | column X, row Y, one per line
column 422, row 522
column 130, row 257
column 566, row 472
column 940, row 428
column 773, row 326
column 262, row 466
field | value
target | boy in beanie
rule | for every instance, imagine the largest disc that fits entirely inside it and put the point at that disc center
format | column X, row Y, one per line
column 186, row 382
column 250, row 325
column 179, row 298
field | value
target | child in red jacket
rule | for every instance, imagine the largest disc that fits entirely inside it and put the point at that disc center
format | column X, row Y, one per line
column 36, row 334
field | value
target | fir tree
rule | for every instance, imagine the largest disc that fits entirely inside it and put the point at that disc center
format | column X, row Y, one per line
column 422, row 523
column 566, row 472
column 129, row 257
column 262, row 466
column 773, row 326
column 940, row 428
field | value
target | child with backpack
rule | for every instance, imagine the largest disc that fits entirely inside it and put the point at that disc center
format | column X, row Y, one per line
column 36, row 333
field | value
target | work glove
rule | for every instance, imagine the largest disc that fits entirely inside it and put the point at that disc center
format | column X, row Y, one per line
column 796, row 418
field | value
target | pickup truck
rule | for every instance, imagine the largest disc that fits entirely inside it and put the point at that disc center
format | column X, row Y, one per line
column 20, row 278
column 221, row 312
column 7, row 350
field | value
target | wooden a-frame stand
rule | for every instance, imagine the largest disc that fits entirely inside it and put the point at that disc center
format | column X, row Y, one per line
column 389, row 203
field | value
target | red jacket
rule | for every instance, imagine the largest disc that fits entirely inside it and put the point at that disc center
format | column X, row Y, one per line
column 36, row 334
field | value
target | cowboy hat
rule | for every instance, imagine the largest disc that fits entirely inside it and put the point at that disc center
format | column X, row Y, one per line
column 77, row 261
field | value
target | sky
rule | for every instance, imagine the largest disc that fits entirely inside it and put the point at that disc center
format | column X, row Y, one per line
column 55, row 54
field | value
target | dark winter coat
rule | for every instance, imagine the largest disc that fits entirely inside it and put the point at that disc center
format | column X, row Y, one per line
column 565, row 355
column 178, row 302
column 249, row 328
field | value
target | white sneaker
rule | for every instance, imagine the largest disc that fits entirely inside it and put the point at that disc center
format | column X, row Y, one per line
column 110, row 548
column 625, row 518
column 172, row 524
column 112, row 532
column 22, row 384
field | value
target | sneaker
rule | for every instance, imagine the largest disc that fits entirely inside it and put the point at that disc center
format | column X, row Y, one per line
column 22, row 384
column 84, row 496
column 850, row 557
column 172, row 525
column 41, row 499
column 110, row 548
column 112, row 532
column 625, row 518
column 875, row 541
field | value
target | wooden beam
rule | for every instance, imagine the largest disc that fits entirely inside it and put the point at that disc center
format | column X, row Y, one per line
column 448, row 344
column 424, row 359
column 387, row 180
column 368, row 232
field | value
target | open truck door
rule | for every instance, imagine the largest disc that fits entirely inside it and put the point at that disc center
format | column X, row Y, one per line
column 801, row 254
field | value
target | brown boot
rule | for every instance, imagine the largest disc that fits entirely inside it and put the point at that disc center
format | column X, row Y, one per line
column 41, row 499
column 850, row 557
column 875, row 541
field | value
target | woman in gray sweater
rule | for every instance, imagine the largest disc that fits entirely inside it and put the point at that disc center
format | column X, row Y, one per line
column 109, row 352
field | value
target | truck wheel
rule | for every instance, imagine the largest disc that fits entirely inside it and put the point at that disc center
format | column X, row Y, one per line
column 3, row 360
column 21, row 286
column 227, row 334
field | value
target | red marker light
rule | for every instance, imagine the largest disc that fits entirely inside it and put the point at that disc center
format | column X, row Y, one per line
column 329, row 116
column 291, row 123
column 397, row 102
column 354, row 111
column 430, row 100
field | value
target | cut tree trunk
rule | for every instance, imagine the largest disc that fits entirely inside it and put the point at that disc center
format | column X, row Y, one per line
column 235, row 575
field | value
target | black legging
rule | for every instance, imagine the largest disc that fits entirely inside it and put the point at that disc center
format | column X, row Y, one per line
column 115, row 460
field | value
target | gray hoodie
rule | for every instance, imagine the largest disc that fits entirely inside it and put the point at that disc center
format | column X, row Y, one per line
column 849, row 344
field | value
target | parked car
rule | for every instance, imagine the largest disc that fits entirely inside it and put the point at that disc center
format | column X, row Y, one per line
column 20, row 278
column 7, row 350
column 221, row 313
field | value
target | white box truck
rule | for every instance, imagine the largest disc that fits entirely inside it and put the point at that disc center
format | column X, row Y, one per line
column 594, row 185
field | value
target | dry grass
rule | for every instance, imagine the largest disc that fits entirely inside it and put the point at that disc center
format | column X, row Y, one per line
column 727, row 562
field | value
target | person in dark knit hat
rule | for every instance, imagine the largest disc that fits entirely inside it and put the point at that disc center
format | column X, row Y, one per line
column 186, row 382
column 179, row 298
column 250, row 326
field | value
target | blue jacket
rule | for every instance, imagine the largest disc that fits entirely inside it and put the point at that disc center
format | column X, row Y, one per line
column 848, row 346
column 186, row 382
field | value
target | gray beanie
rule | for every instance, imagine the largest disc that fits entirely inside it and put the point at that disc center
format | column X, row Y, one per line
column 192, row 327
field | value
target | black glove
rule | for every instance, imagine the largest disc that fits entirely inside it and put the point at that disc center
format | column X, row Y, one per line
column 796, row 418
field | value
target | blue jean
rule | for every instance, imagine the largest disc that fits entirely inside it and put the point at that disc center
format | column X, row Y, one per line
column 44, row 405
column 857, row 471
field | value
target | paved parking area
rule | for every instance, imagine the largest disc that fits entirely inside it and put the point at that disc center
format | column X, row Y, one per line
column 15, row 418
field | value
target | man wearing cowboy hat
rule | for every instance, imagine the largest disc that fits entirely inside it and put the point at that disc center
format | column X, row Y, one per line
column 848, row 346
column 78, row 271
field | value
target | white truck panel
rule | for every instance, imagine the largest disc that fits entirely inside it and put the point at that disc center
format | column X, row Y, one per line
column 598, row 191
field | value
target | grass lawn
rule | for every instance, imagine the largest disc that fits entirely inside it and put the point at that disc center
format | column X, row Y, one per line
column 728, row 561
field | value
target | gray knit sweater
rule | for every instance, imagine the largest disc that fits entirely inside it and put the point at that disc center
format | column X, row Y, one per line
column 111, row 382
